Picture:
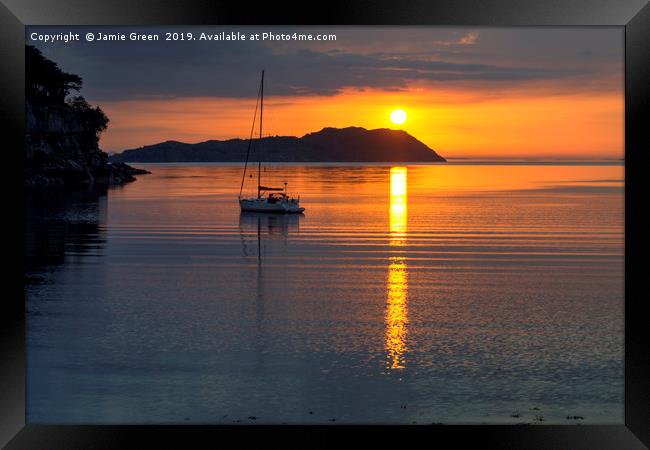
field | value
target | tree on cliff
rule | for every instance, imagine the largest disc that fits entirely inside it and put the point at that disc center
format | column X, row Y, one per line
column 62, row 130
column 45, row 81
column 92, row 118
column 48, row 85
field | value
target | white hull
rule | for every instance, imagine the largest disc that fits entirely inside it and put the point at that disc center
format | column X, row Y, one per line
column 263, row 205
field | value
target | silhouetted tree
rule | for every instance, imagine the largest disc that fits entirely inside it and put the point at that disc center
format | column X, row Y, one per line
column 48, row 85
column 92, row 117
column 44, row 80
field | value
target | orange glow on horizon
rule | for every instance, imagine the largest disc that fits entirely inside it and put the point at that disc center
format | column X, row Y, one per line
column 453, row 123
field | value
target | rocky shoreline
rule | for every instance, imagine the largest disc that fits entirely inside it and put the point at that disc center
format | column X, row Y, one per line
column 53, row 170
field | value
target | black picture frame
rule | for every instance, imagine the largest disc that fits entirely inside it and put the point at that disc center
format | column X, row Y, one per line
column 633, row 15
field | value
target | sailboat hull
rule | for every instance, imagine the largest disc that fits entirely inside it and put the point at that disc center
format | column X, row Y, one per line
column 263, row 205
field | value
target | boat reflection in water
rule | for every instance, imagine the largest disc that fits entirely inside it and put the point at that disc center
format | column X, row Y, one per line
column 264, row 234
column 397, row 288
column 267, row 233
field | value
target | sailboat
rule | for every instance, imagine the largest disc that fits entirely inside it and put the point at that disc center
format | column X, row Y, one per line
column 269, row 199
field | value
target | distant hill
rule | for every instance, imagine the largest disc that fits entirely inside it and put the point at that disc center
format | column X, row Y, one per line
column 352, row 144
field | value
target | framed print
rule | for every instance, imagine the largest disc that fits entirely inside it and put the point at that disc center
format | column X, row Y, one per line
column 402, row 219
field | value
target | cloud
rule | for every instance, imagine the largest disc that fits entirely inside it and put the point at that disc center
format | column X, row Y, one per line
column 467, row 39
column 173, row 69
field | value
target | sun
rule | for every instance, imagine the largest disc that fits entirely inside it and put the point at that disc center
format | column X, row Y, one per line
column 398, row 116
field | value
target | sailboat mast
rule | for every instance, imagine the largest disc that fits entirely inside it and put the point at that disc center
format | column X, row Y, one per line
column 250, row 143
column 259, row 162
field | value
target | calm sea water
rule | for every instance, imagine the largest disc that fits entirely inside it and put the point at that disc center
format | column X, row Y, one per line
column 457, row 293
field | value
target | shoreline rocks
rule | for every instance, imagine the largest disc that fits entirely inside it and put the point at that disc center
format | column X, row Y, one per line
column 55, row 170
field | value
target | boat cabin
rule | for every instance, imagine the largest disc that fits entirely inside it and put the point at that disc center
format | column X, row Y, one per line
column 277, row 197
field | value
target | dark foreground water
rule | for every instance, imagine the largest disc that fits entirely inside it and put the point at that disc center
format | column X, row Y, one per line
column 449, row 293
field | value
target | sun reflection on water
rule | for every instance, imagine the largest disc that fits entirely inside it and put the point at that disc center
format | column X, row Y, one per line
column 397, row 289
column 396, row 313
column 397, row 205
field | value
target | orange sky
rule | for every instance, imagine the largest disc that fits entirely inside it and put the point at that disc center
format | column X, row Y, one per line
column 517, row 93
column 454, row 123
